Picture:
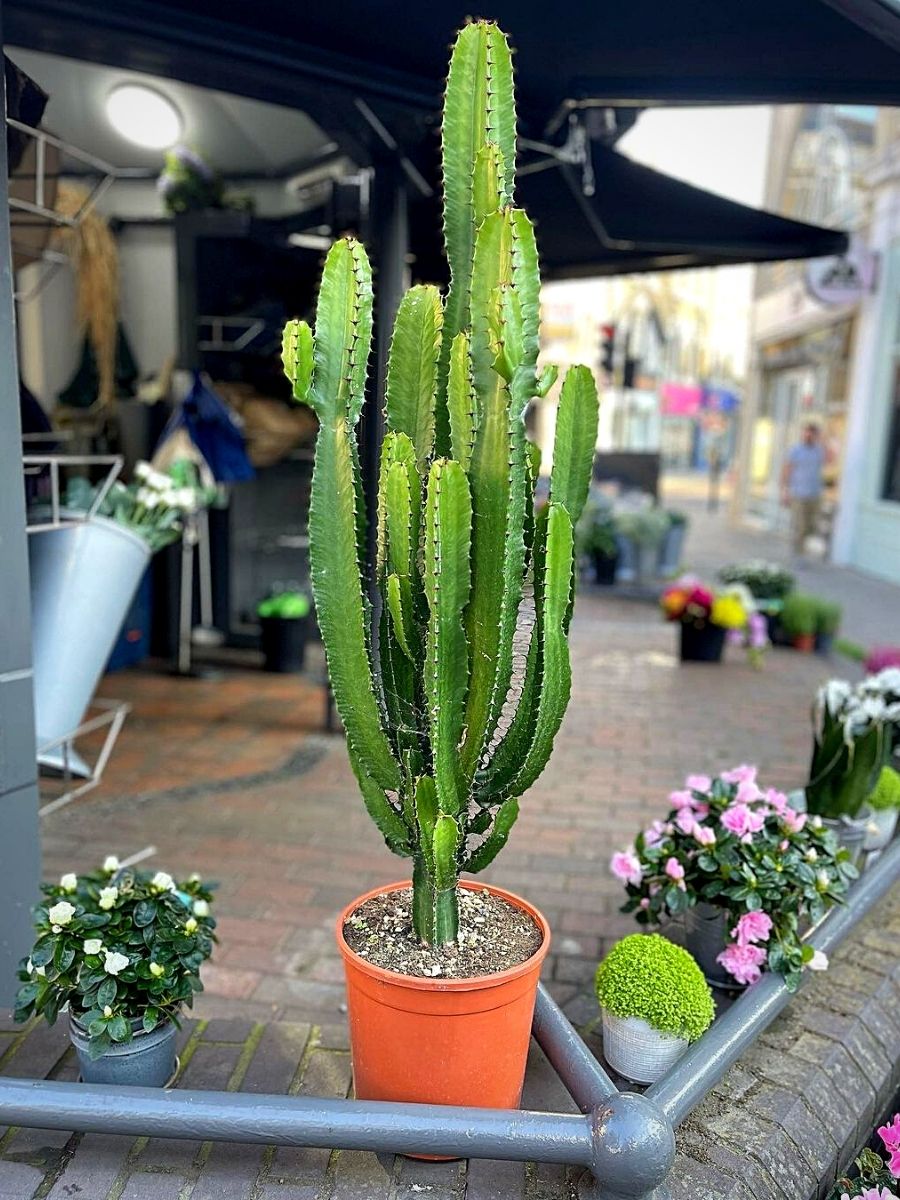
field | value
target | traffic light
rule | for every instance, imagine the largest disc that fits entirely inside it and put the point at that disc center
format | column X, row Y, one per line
column 607, row 348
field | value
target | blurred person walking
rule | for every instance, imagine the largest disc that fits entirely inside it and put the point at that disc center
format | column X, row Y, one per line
column 802, row 484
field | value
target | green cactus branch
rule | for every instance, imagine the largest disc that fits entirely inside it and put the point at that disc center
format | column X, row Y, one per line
column 452, row 702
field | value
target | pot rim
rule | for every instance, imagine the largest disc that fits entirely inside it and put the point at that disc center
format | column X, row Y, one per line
column 422, row 983
column 103, row 522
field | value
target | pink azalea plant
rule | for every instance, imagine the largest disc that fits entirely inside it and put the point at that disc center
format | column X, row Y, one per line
column 732, row 843
column 876, row 1179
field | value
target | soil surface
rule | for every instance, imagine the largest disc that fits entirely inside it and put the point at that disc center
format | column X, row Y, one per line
column 493, row 936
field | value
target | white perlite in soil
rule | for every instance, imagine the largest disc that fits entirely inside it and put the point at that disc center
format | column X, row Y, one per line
column 493, row 936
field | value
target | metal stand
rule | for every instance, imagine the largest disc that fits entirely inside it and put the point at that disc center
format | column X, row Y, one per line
column 112, row 716
column 625, row 1140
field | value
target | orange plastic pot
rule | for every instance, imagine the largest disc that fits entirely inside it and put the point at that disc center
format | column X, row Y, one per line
column 805, row 642
column 441, row 1041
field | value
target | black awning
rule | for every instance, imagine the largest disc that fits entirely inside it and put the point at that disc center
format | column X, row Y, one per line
column 636, row 220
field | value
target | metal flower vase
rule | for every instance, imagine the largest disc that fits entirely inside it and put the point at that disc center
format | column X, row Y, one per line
column 148, row 1060
column 706, row 935
column 84, row 575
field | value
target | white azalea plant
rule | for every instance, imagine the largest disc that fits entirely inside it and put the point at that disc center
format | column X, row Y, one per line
column 855, row 728
column 121, row 948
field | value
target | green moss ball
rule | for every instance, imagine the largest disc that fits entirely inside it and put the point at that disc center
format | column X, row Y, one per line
column 887, row 790
column 647, row 976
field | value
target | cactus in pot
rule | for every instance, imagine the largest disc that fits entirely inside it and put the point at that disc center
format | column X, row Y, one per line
column 448, row 656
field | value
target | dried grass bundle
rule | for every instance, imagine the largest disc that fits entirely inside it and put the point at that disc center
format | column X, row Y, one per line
column 95, row 259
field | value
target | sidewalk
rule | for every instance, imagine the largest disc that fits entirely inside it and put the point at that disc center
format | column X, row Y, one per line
column 871, row 606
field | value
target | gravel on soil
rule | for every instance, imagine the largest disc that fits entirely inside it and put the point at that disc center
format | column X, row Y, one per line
column 493, row 936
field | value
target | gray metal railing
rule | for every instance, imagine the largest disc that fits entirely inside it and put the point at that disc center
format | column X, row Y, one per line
column 624, row 1139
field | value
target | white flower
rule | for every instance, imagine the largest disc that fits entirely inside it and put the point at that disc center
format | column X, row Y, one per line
column 818, row 962
column 111, row 863
column 42, row 971
column 93, row 946
column 201, row 908
column 115, row 962
column 811, row 855
column 61, row 913
column 822, row 879
column 156, row 970
column 107, row 1010
column 29, row 967
column 193, row 877
column 152, row 500
column 187, row 498
column 158, row 480
column 108, row 897
column 69, row 882
column 190, row 925
column 834, row 695
column 163, row 881
column 816, row 821
column 142, row 470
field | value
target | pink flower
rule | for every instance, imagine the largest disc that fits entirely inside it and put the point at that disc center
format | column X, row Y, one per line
column 783, row 845
column 890, row 1135
column 741, row 774
column 741, row 820
column 792, row 820
column 654, row 835
column 698, row 783
column 752, row 927
column 776, row 800
column 685, row 820
column 704, row 835
column 743, row 962
column 682, row 799
column 873, row 1193
column 747, row 792
column 626, row 866
column 675, row 871
column 645, row 902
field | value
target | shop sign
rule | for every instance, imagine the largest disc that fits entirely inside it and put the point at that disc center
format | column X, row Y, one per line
column 841, row 278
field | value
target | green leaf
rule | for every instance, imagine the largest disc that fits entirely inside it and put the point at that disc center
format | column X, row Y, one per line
column 144, row 913
column 106, row 992
column 150, row 1019
column 98, row 1046
column 412, row 369
column 119, row 1029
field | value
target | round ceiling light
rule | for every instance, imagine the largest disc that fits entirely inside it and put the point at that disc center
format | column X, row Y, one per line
column 144, row 116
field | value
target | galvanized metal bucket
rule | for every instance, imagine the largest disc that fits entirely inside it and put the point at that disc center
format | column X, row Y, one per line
column 851, row 833
column 636, row 1050
column 148, row 1060
column 83, row 579
column 706, row 935
column 881, row 825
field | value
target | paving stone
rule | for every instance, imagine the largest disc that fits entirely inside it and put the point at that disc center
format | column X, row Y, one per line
column 41, row 1050
column 495, row 1179
column 734, row 1163
column 230, row 1173
column 142, row 1186
column 803, row 1129
column 690, row 1180
column 359, row 1173
column 276, row 1059
column 93, row 1168
column 429, row 1180
column 327, row 1074
column 19, row 1181
column 228, row 1029
column 290, row 1191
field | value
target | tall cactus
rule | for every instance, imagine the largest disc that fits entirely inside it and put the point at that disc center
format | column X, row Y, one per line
column 449, row 717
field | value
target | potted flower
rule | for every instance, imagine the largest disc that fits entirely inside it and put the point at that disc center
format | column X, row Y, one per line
column 799, row 619
column 640, row 533
column 121, row 949
column 595, row 538
column 84, row 575
column 441, row 975
column 672, row 545
column 828, row 622
column 854, row 728
column 766, row 581
column 884, row 804
column 705, row 618
column 655, row 1002
column 283, row 630
column 876, row 1178
column 744, row 868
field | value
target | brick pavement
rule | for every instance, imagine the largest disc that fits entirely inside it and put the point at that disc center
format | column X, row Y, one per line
column 283, row 830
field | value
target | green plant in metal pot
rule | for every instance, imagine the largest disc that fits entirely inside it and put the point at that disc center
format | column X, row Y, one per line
column 644, row 526
column 121, row 948
column 453, row 683
column 799, row 615
column 595, row 533
column 765, row 580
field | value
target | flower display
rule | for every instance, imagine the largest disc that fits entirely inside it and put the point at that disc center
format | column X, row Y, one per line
column 119, row 946
column 692, row 602
column 732, row 843
column 876, row 1179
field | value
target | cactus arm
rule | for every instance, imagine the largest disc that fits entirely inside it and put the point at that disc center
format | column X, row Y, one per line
column 297, row 356
column 396, row 448
column 400, row 615
column 341, row 346
column 556, row 672
column 527, row 278
column 448, row 520
column 478, row 108
column 426, row 805
column 485, row 854
column 574, row 441
column 546, row 380
column 435, row 872
column 412, row 369
column 389, row 821
column 461, row 402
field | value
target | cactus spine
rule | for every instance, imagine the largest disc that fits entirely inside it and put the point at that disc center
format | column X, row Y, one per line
column 445, row 729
